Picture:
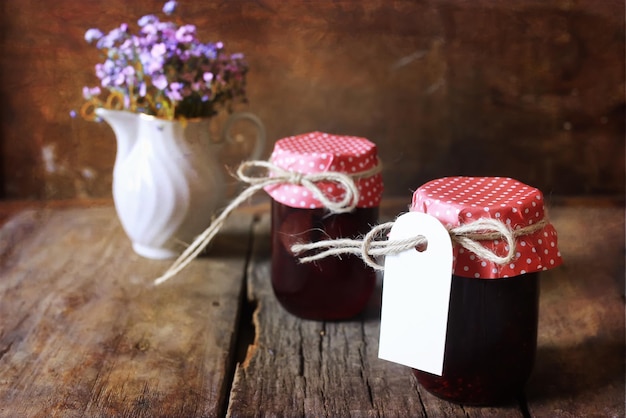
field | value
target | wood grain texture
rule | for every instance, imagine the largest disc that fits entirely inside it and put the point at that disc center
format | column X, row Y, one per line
column 84, row 333
column 529, row 89
column 580, row 367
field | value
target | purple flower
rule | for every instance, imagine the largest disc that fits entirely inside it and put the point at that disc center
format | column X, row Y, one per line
column 128, row 71
column 154, row 66
column 120, row 79
column 159, row 81
column 150, row 29
column 114, row 36
column 170, row 7
column 88, row 93
column 186, row 33
column 174, row 95
column 142, row 89
column 209, row 51
column 158, row 50
column 93, row 34
column 147, row 20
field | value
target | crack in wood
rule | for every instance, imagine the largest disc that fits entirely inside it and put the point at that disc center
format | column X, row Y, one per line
column 247, row 335
column 5, row 350
column 363, row 361
column 247, row 324
column 300, row 354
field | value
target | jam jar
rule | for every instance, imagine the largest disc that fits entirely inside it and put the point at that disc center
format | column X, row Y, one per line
column 491, row 336
column 332, row 288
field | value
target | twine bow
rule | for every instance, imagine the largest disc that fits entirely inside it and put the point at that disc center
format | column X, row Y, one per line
column 468, row 236
column 282, row 176
column 276, row 175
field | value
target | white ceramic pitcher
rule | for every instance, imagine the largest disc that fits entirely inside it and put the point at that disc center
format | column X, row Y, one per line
column 167, row 183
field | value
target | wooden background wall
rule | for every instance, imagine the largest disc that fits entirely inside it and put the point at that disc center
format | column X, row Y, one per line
column 532, row 89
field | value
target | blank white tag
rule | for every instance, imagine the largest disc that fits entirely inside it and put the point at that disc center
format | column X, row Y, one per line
column 416, row 295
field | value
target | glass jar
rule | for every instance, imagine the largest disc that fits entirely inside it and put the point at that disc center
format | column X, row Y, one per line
column 490, row 342
column 329, row 289
column 332, row 288
column 491, row 337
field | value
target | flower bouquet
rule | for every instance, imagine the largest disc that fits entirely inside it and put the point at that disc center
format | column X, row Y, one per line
column 164, row 70
column 159, row 89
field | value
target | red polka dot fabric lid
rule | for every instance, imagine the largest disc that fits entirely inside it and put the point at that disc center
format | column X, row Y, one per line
column 319, row 152
column 460, row 200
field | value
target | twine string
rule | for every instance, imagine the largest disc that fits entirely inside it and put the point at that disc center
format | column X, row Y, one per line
column 274, row 176
column 468, row 236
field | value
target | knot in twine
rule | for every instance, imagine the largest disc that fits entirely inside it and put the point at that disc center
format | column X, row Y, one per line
column 468, row 236
column 309, row 181
column 276, row 175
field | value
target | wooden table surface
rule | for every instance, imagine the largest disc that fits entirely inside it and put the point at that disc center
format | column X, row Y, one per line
column 84, row 333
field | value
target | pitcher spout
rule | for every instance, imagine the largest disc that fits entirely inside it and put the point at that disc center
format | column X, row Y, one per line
column 125, row 126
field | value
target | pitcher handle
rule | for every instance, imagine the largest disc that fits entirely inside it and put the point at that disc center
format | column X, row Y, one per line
column 259, row 145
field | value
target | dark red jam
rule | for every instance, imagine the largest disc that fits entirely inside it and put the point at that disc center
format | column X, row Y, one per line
column 329, row 289
column 491, row 340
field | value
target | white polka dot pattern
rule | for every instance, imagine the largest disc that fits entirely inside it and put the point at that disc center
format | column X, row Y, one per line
column 460, row 200
column 319, row 152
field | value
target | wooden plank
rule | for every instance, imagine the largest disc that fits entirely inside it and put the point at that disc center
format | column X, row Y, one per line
column 325, row 369
column 580, row 367
column 84, row 333
column 9, row 208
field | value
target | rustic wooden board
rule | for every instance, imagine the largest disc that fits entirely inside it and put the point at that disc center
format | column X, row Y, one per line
column 580, row 367
column 325, row 369
column 307, row 368
column 84, row 333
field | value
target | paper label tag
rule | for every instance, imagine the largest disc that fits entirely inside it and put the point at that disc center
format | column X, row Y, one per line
column 416, row 296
